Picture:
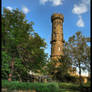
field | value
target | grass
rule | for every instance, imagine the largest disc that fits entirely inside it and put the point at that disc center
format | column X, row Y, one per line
column 42, row 87
column 39, row 87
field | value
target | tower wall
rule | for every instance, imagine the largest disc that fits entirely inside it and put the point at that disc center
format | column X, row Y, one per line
column 57, row 36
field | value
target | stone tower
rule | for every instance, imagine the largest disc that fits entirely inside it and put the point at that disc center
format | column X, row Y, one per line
column 57, row 36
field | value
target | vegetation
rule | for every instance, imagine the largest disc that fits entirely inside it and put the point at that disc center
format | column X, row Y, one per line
column 23, row 49
column 42, row 87
column 39, row 87
column 61, row 73
column 79, row 52
column 73, row 87
column 5, row 65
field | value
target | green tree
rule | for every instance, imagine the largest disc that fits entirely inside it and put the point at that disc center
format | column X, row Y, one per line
column 79, row 52
column 5, row 69
column 33, row 55
column 21, row 43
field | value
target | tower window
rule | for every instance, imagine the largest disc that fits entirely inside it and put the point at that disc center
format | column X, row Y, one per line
column 59, row 48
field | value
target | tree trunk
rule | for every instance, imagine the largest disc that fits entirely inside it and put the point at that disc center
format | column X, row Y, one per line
column 80, row 78
column 11, row 70
column 19, row 77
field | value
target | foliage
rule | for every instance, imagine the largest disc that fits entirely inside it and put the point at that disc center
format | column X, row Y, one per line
column 79, row 52
column 72, row 87
column 32, row 56
column 76, row 54
column 60, row 73
column 39, row 87
column 21, row 43
column 63, row 69
column 5, row 69
column 43, row 87
column 65, row 85
column 19, row 70
column 15, row 30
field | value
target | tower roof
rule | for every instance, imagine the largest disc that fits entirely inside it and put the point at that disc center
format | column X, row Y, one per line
column 57, row 16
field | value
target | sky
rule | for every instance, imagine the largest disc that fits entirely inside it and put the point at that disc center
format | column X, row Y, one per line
column 76, row 16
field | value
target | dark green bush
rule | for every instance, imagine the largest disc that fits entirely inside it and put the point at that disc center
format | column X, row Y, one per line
column 69, row 86
column 39, row 87
column 5, row 69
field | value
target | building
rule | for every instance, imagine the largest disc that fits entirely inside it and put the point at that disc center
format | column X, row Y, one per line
column 57, row 43
column 57, row 36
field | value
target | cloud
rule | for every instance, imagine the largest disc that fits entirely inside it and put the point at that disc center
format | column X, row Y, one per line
column 80, row 22
column 54, row 2
column 10, row 8
column 43, row 1
column 25, row 9
column 79, row 9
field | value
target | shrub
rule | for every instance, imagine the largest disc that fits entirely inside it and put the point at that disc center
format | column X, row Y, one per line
column 69, row 86
column 5, row 69
column 39, row 87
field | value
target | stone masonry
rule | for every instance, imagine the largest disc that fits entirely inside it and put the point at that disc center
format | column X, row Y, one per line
column 57, row 42
column 57, row 36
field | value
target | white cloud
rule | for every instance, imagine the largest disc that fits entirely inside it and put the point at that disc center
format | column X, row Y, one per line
column 43, row 1
column 79, row 9
column 10, row 8
column 54, row 2
column 25, row 9
column 80, row 22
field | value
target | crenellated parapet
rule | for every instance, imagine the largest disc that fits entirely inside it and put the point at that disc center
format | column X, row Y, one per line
column 57, row 16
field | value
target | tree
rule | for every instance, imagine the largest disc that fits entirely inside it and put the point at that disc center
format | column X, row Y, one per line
column 15, row 31
column 21, row 43
column 33, row 55
column 79, row 50
column 5, row 69
column 61, row 73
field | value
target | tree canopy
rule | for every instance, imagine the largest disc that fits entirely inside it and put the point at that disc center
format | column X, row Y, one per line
column 24, row 47
column 79, row 52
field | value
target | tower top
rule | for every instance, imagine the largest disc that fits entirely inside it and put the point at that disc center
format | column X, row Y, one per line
column 57, row 16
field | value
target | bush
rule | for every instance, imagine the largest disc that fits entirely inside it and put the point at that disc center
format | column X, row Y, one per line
column 69, row 86
column 5, row 69
column 73, row 79
column 39, row 87
column 67, row 78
